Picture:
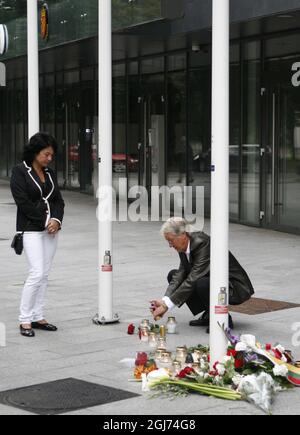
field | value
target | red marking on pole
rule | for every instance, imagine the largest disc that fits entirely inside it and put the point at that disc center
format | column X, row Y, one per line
column 221, row 310
column 107, row 268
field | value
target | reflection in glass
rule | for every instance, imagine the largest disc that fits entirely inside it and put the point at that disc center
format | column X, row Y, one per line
column 289, row 155
column 250, row 182
column 199, row 119
column 119, row 124
column 177, row 139
column 234, row 140
column 152, row 101
column 283, row 152
column 135, row 148
column 72, row 119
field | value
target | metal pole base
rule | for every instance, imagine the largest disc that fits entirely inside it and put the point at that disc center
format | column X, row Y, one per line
column 103, row 321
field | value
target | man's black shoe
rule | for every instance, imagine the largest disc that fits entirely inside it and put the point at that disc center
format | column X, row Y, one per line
column 202, row 321
column 231, row 324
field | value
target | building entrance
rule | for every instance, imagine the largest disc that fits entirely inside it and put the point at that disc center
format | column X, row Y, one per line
column 281, row 161
column 76, row 133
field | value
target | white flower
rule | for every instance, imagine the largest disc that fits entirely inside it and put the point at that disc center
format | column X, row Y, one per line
column 206, row 376
column 145, row 383
column 220, row 369
column 203, row 364
column 249, row 341
column 156, row 375
column 241, row 347
column 195, row 357
column 280, row 370
column 201, row 374
column 259, row 390
column 237, row 380
column 218, row 380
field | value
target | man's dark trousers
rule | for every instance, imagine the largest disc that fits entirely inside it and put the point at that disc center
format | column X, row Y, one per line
column 200, row 299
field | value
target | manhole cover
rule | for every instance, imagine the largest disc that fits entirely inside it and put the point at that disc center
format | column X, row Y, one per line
column 260, row 306
column 62, row 396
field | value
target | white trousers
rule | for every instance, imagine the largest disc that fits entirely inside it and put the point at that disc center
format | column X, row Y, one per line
column 40, row 248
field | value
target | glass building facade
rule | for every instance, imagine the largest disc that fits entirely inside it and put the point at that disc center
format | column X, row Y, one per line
column 162, row 102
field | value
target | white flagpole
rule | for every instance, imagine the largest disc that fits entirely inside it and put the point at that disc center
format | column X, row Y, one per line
column 105, row 196
column 220, row 181
column 33, row 68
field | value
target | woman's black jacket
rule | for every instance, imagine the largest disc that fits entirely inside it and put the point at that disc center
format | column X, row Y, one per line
column 37, row 202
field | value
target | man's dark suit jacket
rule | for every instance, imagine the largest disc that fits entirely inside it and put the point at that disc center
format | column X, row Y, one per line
column 182, row 285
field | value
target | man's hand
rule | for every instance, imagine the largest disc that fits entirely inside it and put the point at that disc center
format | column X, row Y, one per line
column 53, row 227
column 158, row 309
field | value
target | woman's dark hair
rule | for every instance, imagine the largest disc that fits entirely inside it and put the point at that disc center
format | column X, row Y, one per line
column 38, row 143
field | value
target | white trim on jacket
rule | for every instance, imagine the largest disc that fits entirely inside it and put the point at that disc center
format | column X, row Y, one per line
column 29, row 168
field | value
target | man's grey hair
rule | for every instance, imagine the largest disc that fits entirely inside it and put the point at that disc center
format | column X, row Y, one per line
column 176, row 226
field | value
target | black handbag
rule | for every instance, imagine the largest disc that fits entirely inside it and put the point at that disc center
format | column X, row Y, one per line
column 17, row 243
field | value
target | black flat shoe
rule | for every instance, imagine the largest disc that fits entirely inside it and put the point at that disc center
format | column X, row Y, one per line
column 231, row 325
column 202, row 321
column 44, row 327
column 26, row 332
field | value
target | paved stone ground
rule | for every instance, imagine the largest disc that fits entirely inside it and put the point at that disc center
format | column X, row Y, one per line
column 142, row 261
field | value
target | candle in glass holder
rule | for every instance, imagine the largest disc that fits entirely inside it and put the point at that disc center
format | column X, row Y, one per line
column 145, row 335
column 159, row 352
column 181, row 354
column 166, row 360
column 163, row 331
column 176, row 367
column 172, row 325
column 197, row 355
column 145, row 324
column 158, row 356
column 161, row 343
column 152, row 340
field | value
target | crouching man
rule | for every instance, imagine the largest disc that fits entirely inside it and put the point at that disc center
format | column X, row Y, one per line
column 191, row 283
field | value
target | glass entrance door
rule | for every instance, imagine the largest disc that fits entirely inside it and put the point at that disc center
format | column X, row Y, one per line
column 282, row 150
column 75, row 113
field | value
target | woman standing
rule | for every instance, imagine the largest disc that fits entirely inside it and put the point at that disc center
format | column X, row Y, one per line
column 40, row 211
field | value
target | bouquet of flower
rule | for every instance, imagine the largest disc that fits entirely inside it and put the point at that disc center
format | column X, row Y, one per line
column 249, row 371
column 143, row 365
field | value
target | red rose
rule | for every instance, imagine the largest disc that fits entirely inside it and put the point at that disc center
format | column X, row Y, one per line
column 239, row 363
column 131, row 329
column 184, row 373
column 277, row 354
column 232, row 352
column 141, row 359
